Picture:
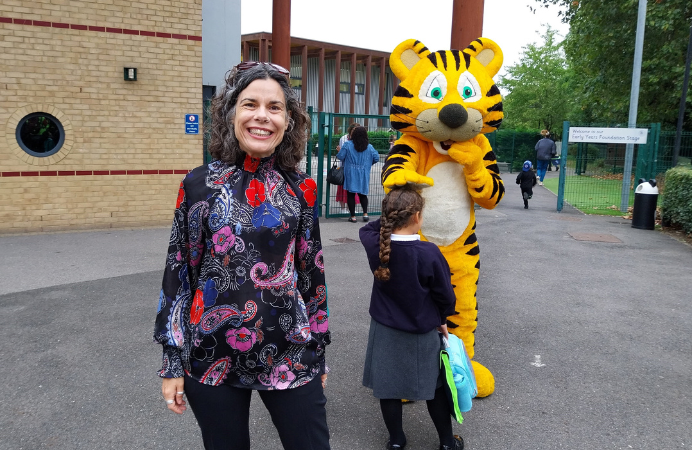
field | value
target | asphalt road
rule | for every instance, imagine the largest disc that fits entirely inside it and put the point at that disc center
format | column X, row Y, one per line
column 589, row 341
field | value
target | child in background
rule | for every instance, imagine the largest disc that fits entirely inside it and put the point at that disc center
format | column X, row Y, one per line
column 412, row 296
column 526, row 180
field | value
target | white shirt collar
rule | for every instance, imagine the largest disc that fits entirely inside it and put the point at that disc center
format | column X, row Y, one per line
column 405, row 237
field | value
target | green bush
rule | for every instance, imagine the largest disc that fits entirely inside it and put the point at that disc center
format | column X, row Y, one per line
column 378, row 139
column 676, row 207
column 523, row 153
column 506, row 145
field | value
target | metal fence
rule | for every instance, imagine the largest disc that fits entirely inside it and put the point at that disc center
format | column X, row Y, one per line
column 593, row 173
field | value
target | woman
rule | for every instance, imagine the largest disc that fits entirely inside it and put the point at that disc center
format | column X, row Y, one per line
column 358, row 156
column 341, row 196
column 545, row 150
column 243, row 305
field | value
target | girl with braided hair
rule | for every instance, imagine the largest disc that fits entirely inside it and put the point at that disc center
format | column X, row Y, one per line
column 412, row 296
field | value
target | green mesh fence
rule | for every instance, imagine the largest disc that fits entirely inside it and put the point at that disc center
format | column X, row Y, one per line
column 594, row 172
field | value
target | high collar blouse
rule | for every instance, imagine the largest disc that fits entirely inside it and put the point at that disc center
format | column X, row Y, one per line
column 244, row 300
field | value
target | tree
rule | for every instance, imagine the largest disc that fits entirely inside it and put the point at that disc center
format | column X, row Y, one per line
column 538, row 86
column 600, row 50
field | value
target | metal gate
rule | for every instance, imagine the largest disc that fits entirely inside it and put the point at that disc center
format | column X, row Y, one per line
column 330, row 128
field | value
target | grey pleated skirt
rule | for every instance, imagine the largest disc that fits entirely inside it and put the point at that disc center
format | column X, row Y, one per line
column 400, row 364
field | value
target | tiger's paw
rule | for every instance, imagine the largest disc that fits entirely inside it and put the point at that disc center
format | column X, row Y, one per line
column 467, row 154
column 403, row 177
column 485, row 381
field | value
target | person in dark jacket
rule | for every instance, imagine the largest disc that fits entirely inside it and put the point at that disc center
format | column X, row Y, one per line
column 545, row 150
column 526, row 181
column 412, row 296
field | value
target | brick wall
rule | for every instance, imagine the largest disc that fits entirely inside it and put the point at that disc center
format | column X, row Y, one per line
column 125, row 148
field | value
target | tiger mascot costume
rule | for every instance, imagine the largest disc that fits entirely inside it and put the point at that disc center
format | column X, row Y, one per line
column 445, row 103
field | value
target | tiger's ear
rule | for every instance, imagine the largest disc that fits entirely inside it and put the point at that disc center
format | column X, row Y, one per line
column 405, row 56
column 486, row 52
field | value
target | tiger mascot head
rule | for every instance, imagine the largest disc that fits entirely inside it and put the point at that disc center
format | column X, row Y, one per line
column 446, row 96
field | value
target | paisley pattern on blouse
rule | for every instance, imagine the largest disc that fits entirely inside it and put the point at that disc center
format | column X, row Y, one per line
column 244, row 299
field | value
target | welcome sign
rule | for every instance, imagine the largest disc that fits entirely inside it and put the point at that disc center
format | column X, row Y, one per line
column 608, row 135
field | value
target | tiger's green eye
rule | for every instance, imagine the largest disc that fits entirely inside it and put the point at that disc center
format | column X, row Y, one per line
column 467, row 92
column 436, row 93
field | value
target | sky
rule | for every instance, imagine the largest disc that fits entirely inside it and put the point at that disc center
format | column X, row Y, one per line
column 383, row 24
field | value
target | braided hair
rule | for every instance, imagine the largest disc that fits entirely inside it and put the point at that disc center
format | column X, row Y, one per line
column 398, row 207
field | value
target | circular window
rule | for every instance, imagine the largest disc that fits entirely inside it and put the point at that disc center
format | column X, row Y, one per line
column 40, row 134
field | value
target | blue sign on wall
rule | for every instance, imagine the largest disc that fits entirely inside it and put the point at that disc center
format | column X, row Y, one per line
column 191, row 124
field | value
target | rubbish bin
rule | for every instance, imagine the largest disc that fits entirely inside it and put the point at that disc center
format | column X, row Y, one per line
column 645, row 198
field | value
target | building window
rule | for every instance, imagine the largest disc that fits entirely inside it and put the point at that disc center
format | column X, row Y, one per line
column 345, row 88
column 296, row 83
column 40, row 134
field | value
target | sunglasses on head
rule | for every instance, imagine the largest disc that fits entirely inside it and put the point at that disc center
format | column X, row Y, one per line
column 245, row 65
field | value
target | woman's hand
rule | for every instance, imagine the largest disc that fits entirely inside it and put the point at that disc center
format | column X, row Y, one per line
column 173, row 390
column 324, row 380
column 443, row 329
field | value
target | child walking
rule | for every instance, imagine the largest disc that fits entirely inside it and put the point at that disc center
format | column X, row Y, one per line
column 412, row 296
column 526, row 180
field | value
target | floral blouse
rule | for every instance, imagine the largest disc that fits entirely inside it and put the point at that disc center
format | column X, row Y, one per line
column 244, row 300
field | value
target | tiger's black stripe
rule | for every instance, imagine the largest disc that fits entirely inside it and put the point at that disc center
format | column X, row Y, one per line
column 479, row 189
column 494, row 123
column 467, row 59
column 471, row 47
column 493, row 91
column 500, row 194
column 400, row 110
column 433, row 59
column 400, row 125
column 495, row 187
column 474, row 251
column 471, row 239
column 494, row 168
column 443, row 57
column 422, row 50
column 391, row 160
column 479, row 41
column 490, row 156
column 495, row 107
column 400, row 149
column 402, row 92
column 457, row 58
column 478, row 266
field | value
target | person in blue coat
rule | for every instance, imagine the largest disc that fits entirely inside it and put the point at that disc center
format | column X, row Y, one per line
column 358, row 156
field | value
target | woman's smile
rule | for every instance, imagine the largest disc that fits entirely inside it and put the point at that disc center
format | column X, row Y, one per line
column 260, row 118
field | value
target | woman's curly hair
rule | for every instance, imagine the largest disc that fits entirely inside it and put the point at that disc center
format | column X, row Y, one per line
column 359, row 136
column 398, row 207
column 223, row 144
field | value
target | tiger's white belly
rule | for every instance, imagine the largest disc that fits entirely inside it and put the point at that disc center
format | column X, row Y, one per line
column 448, row 204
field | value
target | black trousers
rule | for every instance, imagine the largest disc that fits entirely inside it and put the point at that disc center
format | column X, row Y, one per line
column 351, row 202
column 223, row 415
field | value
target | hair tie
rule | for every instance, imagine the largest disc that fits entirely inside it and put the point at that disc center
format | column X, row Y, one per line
column 384, row 265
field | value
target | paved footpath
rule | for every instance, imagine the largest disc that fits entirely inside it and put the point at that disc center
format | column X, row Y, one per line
column 589, row 341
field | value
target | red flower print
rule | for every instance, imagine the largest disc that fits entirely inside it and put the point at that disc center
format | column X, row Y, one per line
column 181, row 196
column 255, row 193
column 309, row 188
column 251, row 163
column 197, row 308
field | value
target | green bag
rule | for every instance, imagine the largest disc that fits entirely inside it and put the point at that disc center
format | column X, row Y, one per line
column 450, row 386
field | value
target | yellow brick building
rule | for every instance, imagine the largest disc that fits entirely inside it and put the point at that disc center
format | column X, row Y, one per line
column 81, row 147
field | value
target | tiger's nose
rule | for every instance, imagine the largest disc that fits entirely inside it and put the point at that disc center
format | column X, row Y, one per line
column 453, row 115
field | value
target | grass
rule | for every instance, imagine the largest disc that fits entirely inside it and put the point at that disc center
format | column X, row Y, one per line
column 591, row 195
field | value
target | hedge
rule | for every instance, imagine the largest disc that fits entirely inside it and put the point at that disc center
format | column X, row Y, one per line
column 676, row 206
column 378, row 139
